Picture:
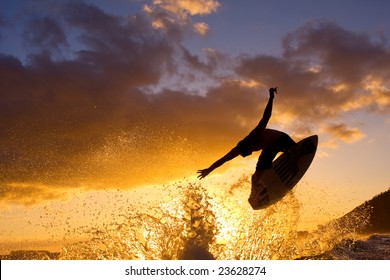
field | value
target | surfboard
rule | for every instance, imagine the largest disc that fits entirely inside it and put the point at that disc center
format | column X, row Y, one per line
column 285, row 173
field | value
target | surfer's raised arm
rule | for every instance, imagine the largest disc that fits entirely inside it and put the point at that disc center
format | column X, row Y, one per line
column 268, row 109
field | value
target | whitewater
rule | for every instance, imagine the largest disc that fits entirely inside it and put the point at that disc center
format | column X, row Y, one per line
column 192, row 219
column 196, row 223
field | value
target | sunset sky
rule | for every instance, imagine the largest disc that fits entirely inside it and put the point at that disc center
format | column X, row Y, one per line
column 113, row 95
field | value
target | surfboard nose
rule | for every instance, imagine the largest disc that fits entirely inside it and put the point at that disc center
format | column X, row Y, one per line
column 314, row 139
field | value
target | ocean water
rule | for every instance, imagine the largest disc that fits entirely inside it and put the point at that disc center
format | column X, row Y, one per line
column 198, row 224
column 199, row 221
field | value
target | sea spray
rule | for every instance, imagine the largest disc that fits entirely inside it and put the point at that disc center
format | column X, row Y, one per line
column 208, row 221
column 181, row 228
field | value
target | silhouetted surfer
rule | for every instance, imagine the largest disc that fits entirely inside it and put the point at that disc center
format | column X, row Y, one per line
column 270, row 141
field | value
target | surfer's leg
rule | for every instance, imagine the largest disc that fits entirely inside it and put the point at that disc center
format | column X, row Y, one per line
column 289, row 146
column 265, row 159
column 259, row 192
column 264, row 162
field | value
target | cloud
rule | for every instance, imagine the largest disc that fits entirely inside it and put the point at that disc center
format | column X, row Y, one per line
column 45, row 33
column 169, row 13
column 29, row 194
column 188, row 7
column 55, row 113
column 2, row 24
column 201, row 28
column 343, row 132
column 91, row 120
column 87, row 120
column 325, row 71
column 341, row 53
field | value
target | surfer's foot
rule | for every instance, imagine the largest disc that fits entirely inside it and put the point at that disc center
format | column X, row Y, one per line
column 257, row 193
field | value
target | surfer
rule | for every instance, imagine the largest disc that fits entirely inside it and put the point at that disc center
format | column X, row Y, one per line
column 270, row 141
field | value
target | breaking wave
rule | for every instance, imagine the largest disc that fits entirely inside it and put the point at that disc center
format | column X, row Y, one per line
column 211, row 222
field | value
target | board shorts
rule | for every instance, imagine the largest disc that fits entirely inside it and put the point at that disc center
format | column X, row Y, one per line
column 280, row 144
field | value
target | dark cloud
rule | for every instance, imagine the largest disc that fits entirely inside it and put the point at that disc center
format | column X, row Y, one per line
column 57, row 113
column 88, row 121
column 27, row 194
column 342, row 54
column 2, row 24
column 324, row 71
column 45, row 33
column 125, row 49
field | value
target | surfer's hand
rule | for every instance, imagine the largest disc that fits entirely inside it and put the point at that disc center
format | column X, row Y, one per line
column 272, row 92
column 203, row 173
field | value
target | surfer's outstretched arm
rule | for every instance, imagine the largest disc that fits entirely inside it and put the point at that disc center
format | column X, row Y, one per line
column 229, row 156
column 268, row 109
